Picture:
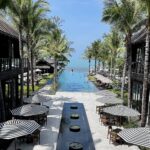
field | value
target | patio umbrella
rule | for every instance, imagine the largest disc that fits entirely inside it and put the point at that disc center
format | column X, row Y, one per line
column 120, row 110
column 38, row 98
column 38, row 70
column 41, row 97
column 103, row 79
column 15, row 128
column 29, row 110
column 138, row 136
column 110, row 100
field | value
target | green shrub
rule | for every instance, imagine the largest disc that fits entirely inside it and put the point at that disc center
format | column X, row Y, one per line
column 116, row 85
column 143, row 148
column 131, row 124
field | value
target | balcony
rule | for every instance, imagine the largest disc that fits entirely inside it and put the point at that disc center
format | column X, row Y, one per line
column 137, row 71
column 11, row 66
column 138, row 67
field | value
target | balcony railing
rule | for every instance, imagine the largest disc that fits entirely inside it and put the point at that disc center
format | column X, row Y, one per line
column 7, row 64
column 138, row 67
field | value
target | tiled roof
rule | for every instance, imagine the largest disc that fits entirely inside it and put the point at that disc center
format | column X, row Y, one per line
column 7, row 29
column 47, row 61
column 139, row 36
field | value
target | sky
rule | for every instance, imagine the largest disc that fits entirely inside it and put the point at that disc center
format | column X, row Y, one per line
column 81, row 23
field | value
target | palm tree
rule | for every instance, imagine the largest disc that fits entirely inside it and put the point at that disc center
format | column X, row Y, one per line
column 57, row 47
column 17, row 12
column 95, row 48
column 111, row 43
column 33, row 25
column 146, row 66
column 123, row 14
column 88, row 55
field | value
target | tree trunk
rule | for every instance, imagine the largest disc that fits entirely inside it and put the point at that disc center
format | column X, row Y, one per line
column 95, row 65
column 2, row 105
column 123, row 75
column 103, row 65
column 55, row 74
column 32, row 72
column 114, row 66
column 22, row 68
column 28, row 81
column 89, row 65
column 145, row 82
column 129, row 58
column 111, row 67
column 99, row 65
column 30, row 66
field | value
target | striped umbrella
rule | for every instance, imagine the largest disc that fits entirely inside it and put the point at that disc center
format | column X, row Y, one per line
column 120, row 110
column 38, row 98
column 110, row 100
column 17, row 128
column 29, row 110
column 138, row 136
column 41, row 97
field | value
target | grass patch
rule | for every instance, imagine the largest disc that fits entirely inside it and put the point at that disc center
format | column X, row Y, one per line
column 38, row 86
column 92, row 78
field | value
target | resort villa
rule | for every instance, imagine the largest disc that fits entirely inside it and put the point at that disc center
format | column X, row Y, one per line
column 138, row 56
column 10, row 68
column 45, row 65
column 49, row 97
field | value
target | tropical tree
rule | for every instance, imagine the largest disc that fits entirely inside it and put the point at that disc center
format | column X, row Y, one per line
column 123, row 14
column 17, row 12
column 95, row 46
column 34, row 26
column 57, row 47
column 111, row 44
column 146, row 65
column 88, row 55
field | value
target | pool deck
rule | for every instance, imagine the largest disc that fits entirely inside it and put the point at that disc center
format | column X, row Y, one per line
column 49, row 132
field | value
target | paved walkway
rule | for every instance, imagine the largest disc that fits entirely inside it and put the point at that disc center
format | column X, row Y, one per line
column 49, row 133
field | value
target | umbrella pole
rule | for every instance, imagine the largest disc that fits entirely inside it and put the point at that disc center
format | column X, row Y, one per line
column 15, row 143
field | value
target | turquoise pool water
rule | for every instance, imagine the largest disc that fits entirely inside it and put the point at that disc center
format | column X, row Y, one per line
column 76, row 80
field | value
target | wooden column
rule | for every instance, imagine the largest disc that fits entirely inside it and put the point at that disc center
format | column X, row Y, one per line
column 17, row 94
column 13, row 96
column 2, row 105
column 28, row 92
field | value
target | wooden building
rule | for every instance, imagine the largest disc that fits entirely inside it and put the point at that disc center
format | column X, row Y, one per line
column 10, row 68
column 138, row 56
column 46, row 65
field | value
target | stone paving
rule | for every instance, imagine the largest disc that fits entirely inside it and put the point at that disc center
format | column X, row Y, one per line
column 49, row 132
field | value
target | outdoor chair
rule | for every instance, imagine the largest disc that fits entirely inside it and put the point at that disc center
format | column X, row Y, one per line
column 42, row 119
column 36, row 137
column 114, row 138
column 109, row 131
column 97, row 109
column 104, row 120
column 47, row 108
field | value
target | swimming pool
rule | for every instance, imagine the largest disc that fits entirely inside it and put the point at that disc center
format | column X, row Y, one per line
column 75, row 80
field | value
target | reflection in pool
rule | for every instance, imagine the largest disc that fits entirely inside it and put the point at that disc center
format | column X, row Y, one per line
column 75, row 80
